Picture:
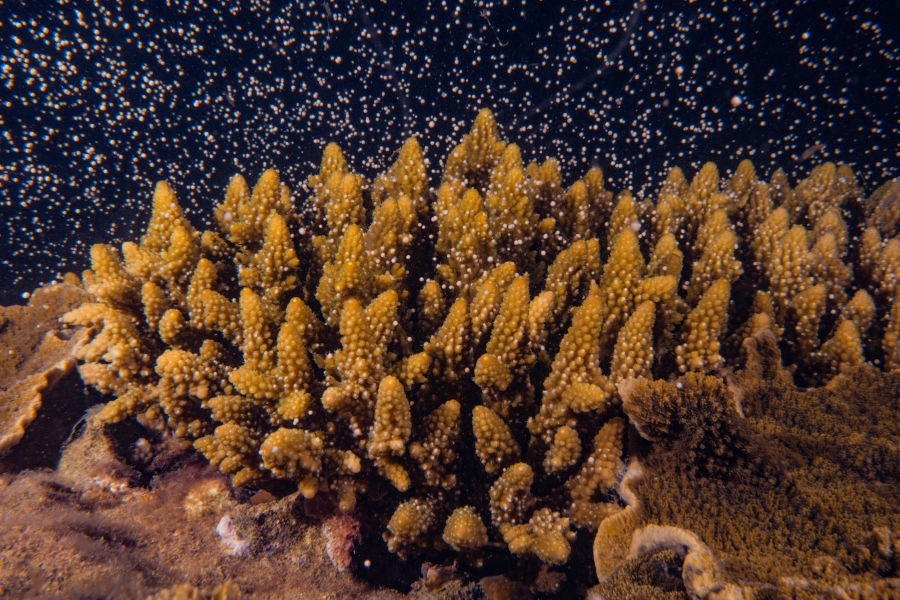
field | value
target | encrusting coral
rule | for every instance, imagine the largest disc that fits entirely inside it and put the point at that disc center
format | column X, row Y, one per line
column 765, row 490
column 36, row 355
column 459, row 348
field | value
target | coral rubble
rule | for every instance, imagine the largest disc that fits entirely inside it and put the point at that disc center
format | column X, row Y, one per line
column 455, row 352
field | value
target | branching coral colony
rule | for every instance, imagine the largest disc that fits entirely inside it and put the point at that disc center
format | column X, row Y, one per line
column 460, row 348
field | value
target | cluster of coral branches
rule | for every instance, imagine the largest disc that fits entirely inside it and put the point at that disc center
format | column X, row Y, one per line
column 456, row 351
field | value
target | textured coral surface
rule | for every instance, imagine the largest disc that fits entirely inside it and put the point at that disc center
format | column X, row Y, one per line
column 35, row 355
column 450, row 357
column 794, row 494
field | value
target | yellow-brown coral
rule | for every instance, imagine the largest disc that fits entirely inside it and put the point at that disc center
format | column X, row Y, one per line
column 408, row 333
column 767, row 491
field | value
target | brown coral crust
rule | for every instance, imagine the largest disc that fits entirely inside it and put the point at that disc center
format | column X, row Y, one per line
column 791, row 490
column 36, row 354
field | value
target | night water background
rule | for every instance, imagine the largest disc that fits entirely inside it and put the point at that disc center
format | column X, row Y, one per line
column 96, row 103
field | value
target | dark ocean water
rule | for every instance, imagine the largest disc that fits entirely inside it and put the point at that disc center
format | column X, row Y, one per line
column 98, row 100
